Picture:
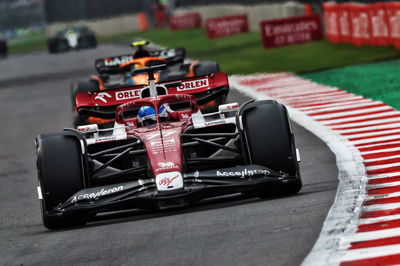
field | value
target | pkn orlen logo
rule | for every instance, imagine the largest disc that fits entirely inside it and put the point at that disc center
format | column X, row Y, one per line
column 129, row 94
column 102, row 96
column 194, row 84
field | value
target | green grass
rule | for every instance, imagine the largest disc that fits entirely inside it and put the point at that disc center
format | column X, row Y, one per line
column 27, row 46
column 243, row 53
column 378, row 81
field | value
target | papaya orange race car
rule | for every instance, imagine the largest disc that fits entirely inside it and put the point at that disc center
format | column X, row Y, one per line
column 119, row 72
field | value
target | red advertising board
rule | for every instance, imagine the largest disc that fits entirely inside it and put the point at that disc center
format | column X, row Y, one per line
column 344, row 21
column 224, row 26
column 288, row 31
column 373, row 24
column 185, row 21
column 360, row 24
column 332, row 22
column 379, row 24
column 393, row 18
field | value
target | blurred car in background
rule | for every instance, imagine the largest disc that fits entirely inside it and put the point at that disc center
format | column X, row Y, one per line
column 74, row 38
column 3, row 48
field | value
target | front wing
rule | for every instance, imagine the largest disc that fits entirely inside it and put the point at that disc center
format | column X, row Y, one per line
column 143, row 194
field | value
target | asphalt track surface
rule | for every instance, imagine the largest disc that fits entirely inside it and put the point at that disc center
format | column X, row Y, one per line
column 34, row 98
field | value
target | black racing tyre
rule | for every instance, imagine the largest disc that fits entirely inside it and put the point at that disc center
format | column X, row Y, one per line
column 87, row 41
column 206, row 68
column 3, row 49
column 61, row 175
column 93, row 41
column 57, row 45
column 268, row 141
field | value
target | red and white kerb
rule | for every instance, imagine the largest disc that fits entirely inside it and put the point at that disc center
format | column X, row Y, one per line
column 363, row 225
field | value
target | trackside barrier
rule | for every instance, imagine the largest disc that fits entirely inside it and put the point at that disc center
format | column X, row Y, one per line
column 225, row 26
column 185, row 21
column 375, row 24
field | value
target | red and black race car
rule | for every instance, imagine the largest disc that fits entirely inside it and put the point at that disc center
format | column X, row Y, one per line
column 119, row 72
column 178, row 157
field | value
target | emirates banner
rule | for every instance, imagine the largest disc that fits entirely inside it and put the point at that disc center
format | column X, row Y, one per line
column 359, row 24
column 289, row 31
column 224, row 26
column 185, row 21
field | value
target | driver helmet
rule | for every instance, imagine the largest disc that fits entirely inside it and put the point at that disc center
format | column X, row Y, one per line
column 147, row 114
column 163, row 112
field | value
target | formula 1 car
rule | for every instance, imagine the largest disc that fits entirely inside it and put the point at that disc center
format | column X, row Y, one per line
column 176, row 161
column 209, row 95
column 75, row 38
column 3, row 48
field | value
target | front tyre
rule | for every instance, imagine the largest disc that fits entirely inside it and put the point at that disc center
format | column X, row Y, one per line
column 60, row 166
column 268, row 141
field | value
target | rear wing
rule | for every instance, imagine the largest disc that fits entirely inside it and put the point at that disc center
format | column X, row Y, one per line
column 110, row 65
column 115, row 97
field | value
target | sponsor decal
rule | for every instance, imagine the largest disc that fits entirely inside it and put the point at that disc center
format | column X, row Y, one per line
column 165, row 133
column 228, row 107
column 228, row 25
column 214, row 123
column 166, row 181
column 129, row 94
column 96, row 195
column 116, row 61
column 85, row 128
column 101, row 96
column 169, row 181
column 166, row 166
column 194, row 84
column 289, row 31
column 183, row 96
column 243, row 173
column 104, row 139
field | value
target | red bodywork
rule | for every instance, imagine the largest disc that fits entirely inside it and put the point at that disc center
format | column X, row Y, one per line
column 162, row 140
column 114, row 97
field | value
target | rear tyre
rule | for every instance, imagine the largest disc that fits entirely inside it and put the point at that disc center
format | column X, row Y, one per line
column 61, row 175
column 269, row 141
column 206, row 68
column 57, row 45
